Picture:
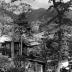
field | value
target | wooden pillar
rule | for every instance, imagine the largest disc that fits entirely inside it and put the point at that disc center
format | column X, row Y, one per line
column 12, row 43
column 41, row 68
column 21, row 45
column 12, row 49
column 36, row 67
column 19, row 48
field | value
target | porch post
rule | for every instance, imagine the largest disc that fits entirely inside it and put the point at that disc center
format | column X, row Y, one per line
column 12, row 49
column 12, row 43
column 21, row 45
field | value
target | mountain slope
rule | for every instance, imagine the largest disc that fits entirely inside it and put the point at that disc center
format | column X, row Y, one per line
column 40, row 14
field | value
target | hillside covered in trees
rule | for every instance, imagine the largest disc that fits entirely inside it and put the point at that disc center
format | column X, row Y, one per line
column 45, row 34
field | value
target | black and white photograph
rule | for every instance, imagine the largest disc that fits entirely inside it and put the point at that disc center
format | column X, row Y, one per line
column 35, row 35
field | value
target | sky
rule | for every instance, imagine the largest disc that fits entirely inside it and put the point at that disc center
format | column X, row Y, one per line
column 38, row 3
column 35, row 3
column 43, row 4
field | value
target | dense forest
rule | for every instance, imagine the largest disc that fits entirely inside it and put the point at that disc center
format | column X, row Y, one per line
column 45, row 33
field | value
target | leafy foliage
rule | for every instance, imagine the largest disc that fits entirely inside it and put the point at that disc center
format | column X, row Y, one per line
column 63, row 33
column 16, row 7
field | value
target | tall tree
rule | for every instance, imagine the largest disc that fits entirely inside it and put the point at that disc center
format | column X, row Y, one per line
column 63, row 47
